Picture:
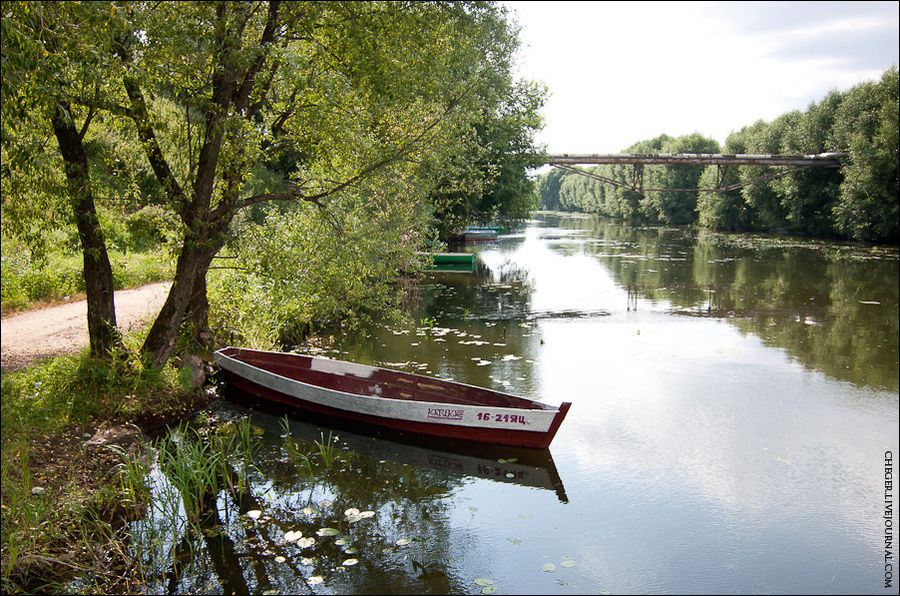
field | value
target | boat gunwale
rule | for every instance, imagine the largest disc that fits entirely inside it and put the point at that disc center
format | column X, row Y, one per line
column 399, row 414
column 535, row 405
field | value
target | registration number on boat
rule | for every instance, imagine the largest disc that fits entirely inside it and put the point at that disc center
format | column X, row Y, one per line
column 514, row 418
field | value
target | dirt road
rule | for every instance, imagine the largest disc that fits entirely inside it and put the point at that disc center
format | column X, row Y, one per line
column 34, row 335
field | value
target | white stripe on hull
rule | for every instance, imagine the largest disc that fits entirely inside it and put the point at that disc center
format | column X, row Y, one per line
column 398, row 409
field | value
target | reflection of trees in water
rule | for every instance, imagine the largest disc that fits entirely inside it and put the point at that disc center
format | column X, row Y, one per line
column 223, row 549
column 833, row 307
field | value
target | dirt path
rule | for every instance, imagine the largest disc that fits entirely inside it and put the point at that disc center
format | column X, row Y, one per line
column 34, row 335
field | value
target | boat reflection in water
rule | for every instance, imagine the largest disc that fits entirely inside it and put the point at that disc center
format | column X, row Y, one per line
column 513, row 465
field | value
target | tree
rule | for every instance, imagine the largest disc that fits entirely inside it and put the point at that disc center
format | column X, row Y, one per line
column 50, row 58
column 337, row 91
column 866, row 127
column 488, row 178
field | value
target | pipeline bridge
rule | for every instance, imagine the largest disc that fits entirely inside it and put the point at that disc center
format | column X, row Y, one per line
column 786, row 164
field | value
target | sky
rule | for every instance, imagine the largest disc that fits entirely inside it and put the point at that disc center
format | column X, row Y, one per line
column 621, row 72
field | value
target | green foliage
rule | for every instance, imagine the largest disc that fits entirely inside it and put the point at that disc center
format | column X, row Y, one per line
column 27, row 280
column 860, row 200
column 867, row 128
column 306, row 268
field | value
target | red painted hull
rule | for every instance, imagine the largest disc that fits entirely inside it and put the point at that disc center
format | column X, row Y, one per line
column 392, row 399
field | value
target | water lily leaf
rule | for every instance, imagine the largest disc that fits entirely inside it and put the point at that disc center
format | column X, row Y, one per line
column 292, row 535
column 316, row 579
column 366, row 514
column 510, row 475
column 254, row 513
column 341, row 541
column 489, row 590
column 526, row 515
column 353, row 511
column 515, row 541
column 350, row 562
column 280, row 559
column 483, row 581
column 327, row 532
column 568, row 562
column 548, row 567
column 310, row 510
column 305, row 542
column 402, row 542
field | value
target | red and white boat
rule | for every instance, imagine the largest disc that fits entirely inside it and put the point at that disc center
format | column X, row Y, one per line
column 392, row 399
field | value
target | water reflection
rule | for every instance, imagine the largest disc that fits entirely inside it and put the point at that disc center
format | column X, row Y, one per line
column 833, row 307
column 522, row 466
column 732, row 401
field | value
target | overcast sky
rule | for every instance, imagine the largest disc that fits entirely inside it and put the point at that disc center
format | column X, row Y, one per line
column 620, row 72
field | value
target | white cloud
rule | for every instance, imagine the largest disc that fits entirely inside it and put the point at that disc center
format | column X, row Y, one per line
column 620, row 72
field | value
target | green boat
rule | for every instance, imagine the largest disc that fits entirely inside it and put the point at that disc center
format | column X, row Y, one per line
column 452, row 261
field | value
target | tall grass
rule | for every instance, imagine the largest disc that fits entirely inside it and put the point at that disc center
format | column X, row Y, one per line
column 29, row 279
column 323, row 457
column 65, row 397
column 200, row 464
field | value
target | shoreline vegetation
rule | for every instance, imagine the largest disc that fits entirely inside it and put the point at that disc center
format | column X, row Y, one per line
column 284, row 175
column 857, row 201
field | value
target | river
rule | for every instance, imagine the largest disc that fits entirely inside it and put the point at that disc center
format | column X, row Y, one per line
column 734, row 398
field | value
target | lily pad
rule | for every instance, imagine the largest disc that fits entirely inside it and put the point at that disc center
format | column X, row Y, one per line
column 316, row 579
column 350, row 562
column 526, row 515
column 291, row 535
column 402, row 542
column 483, row 581
column 548, row 567
column 305, row 542
column 568, row 562
column 254, row 513
column 327, row 532
column 280, row 559
column 489, row 590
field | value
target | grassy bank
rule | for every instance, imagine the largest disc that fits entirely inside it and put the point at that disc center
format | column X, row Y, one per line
column 29, row 282
column 63, row 501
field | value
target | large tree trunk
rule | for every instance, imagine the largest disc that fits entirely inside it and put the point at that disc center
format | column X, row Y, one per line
column 98, row 277
column 186, row 309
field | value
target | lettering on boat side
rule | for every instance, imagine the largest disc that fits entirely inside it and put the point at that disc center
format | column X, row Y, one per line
column 514, row 418
column 445, row 414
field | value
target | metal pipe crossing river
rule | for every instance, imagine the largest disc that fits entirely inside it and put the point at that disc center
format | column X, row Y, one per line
column 568, row 162
column 696, row 159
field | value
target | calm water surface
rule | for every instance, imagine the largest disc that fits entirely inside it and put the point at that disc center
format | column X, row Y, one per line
column 733, row 400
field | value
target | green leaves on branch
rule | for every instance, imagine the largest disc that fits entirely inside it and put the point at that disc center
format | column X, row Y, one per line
column 860, row 200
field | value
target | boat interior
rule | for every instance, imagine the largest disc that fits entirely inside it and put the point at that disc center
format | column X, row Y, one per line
column 376, row 382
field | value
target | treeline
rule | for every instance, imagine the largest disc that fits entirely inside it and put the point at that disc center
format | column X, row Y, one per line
column 858, row 201
column 299, row 153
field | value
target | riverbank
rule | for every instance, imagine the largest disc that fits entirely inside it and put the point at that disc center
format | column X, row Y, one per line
column 70, row 425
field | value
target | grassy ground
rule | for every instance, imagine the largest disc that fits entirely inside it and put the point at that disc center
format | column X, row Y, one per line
column 29, row 281
column 63, row 502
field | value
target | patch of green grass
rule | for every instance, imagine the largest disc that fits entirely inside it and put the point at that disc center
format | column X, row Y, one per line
column 28, row 280
column 61, row 509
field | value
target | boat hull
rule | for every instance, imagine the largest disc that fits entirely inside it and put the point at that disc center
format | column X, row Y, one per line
column 357, row 393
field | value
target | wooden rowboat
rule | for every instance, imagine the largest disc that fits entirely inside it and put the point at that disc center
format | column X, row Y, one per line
column 392, row 399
